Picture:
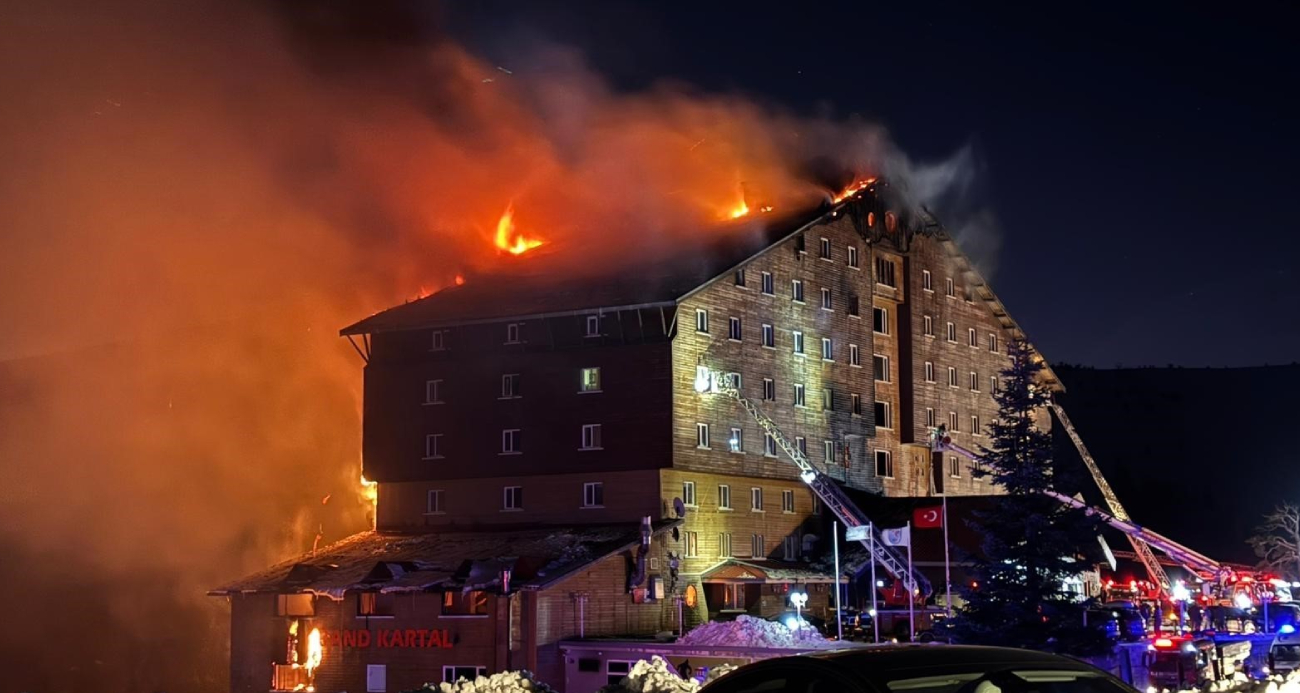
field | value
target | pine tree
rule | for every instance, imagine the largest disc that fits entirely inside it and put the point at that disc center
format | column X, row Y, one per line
column 1031, row 542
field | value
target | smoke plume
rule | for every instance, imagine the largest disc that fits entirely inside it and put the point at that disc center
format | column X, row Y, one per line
column 196, row 196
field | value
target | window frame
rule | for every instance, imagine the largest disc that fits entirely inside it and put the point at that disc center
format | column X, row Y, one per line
column 514, row 333
column 767, row 284
column 736, row 441
column 433, row 392
column 828, row 349
column 826, row 299
column 883, row 327
column 756, row 499
column 689, row 498
column 512, row 392
column 952, row 377
column 927, row 281
column 797, row 338
column 951, row 334
column 852, row 256
column 769, row 390
column 434, row 452
column 583, row 388
column 515, row 436
column 512, row 498
column 724, row 497
column 888, row 458
column 769, row 336
column 592, row 320
column 703, row 438
column 824, row 248
column 593, row 494
column 431, row 508
column 855, row 356
column 800, row 395
column 592, row 437
column 855, row 404
column 796, row 290
column 439, row 339
column 734, row 332
column 876, row 374
column 888, row 410
column 787, row 501
column 701, row 320
column 929, row 371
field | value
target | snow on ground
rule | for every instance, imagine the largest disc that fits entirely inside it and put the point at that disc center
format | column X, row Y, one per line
column 504, row 682
column 658, row 676
column 1241, row 684
column 747, row 631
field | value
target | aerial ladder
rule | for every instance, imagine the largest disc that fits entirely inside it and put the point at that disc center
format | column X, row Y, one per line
column 830, row 493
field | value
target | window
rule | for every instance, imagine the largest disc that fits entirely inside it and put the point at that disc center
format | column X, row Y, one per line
column 740, row 277
column 510, row 441
column 949, row 288
column 853, row 256
column 968, row 293
column 757, row 547
column 591, row 437
column 433, row 446
column 884, row 464
column 769, row 336
column 590, row 381
column 993, row 384
column 853, row 306
column 880, row 364
column 790, row 548
column 692, row 544
column 855, row 357
column 798, row 342
column 799, row 243
column 971, row 339
column 372, row 604
column 929, row 372
column 975, row 427
column 452, row 673
column 929, row 326
column 512, row 332
column 433, row 505
column 826, row 299
column 817, row 505
column 952, row 332
column 593, row 325
column 952, row 376
column 929, row 418
column 756, row 499
column 856, row 404
column 769, row 389
column 439, row 340
column 885, row 271
column 927, row 282
column 787, row 501
column 736, row 442
column 828, row 399
column 688, row 493
column 702, row 435
column 798, row 396
column 884, row 415
column 828, row 349
column 974, row 382
column 724, row 497
column 769, row 445
column 701, row 320
column 952, row 422
column 880, row 320
column 733, row 328
column 954, row 467
column 724, row 545
column 768, row 284
column 433, row 392
column 593, row 494
column 295, row 605
column 993, row 343
column 796, row 290
column 828, row 452
column 512, row 498
column 457, row 603
column 376, row 678
column 510, row 386
column 826, row 248
column 801, row 443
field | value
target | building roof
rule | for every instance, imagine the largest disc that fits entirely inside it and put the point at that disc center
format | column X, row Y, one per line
column 441, row 561
column 764, row 570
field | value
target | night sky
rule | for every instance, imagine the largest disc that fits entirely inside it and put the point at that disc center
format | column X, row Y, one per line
column 1140, row 161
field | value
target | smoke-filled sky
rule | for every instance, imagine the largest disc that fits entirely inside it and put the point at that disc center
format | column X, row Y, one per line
column 195, row 196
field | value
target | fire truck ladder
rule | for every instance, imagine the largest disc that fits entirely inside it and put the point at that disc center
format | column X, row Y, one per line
column 824, row 486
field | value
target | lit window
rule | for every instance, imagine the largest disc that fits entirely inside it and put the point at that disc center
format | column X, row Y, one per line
column 458, row 603
column 591, row 437
column 952, row 377
column 512, row 498
column 439, row 340
column 740, row 277
column 769, row 389
column 798, row 396
column 593, row 494
column 880, row 320
column 971, row 339
column 769, row 336
column 885, row 271
column 798, row 342
column 952, row 332
column 756, row 499
column 733, row 328
column 952, row 422
column 954, row 467
column 593, row 325
column 433, row 392
column 510, row 386
column 433, row 446
column 855, row 400
column 828, row 349
column 853, row 256
column 769, row 445
column 512, row 333
column 724, row 497
column 884, row 415
column 737, row 440
column 701, row 320
column 826, row 248
column 702, row 435
column 826, row 299
column 949, row 288
column 929, row 372
column 993, row 343
column 974, row 382
column 796, row 290
column 768, row 287
column 688, row 493
column 510, row 441
column 884, row 464
column 928, row 326
column 880, row 364
column 787, row 501
column 927, row 282
column 590, row 380
column 855, row 357
column 433, row 505
column 929, row 418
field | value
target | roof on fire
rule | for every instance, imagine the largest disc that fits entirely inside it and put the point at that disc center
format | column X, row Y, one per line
column 438, row 561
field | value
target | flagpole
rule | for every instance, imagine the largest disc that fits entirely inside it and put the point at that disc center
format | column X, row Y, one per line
column 911, row 595
column 947, row 566
column 875, row 615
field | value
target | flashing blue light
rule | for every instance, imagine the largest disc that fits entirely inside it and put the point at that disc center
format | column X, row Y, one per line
column 1286, row 629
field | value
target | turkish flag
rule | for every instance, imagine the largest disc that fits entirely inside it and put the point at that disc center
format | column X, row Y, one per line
column 927, row 518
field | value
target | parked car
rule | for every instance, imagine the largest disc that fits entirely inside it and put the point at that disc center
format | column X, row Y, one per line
column 1284, row 653
column 1132, row 625
column 920, row 669
column 1104, row 621
column 1279, row 616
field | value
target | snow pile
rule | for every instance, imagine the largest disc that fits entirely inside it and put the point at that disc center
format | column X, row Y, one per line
column 1241, row 684
column 658, row 676
column 747, row 631
column 504, row 682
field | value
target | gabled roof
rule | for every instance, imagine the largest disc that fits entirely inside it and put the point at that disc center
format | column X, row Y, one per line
column 438, row 561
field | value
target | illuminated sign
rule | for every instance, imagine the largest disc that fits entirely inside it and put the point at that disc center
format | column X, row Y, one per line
column 387, row 638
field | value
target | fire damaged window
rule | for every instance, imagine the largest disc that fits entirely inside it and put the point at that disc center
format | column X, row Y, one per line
column 800, row 244
column 927, row 281
column 885, row 272
column 769, row 286
column 472, row 603
column 856, row 403
column 853, row 306
column 891, row 222
column 880, row 320
column 510, row 386
column 884, row 415
column 373, row 604
column 740, row 277
column 512, row 498
column 590, row 380
column 884, row 464
column 733, row 328
column 440, row 340
column 590, row 437
column 593, row 494
column 825, row 248
column 796, row 290
column 593, row 326
column 511, row 439
column 769, row 336
column 295, row 605
column 452, row 673
column 433, row 392
column 701, row 320
column 853, row 256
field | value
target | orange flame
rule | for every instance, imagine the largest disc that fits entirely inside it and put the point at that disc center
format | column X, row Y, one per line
column 315, row 651
column 856, row 187
column 370, row 494
column 508, row 239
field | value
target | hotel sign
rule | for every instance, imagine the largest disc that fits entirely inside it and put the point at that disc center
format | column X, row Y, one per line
column 387, row 638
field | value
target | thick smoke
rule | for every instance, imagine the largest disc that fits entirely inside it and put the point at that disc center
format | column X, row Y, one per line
column 196, row 196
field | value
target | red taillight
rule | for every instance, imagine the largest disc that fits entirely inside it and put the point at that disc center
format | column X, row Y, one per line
column 1164, row 642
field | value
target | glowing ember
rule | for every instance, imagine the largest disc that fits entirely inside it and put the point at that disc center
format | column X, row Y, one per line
column 508, row 239
column 857, row 187
column 460, row 280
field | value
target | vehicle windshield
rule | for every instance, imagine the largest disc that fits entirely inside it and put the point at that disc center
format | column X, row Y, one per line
column 1008, row 681
column 1287, row 653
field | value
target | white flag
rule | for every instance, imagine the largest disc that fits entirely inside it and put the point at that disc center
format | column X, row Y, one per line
column 899, row 536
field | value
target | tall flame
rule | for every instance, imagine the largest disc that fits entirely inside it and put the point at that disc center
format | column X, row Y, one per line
column 856, row 187
column 370, row 493
column 508, row 239
column 315, row 651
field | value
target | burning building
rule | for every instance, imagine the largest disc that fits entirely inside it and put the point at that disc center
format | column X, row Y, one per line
column 547, row 470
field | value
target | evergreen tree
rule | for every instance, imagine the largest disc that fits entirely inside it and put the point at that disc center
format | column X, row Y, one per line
column 1031, row 542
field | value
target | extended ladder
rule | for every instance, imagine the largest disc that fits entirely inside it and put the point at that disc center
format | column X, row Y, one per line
column 828, row 491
